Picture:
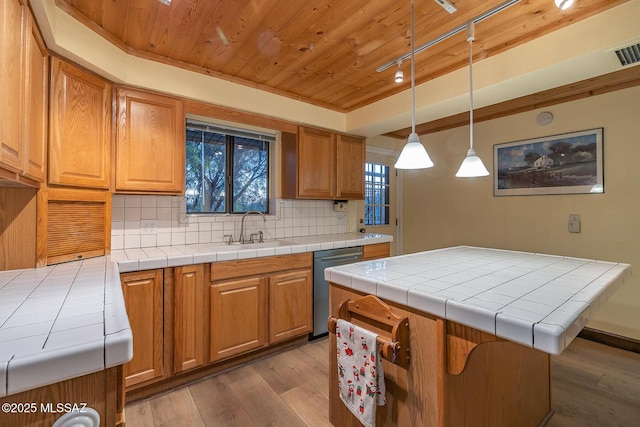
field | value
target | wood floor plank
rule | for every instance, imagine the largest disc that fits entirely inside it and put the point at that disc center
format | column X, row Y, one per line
column 139, row 414
column 278, row 373
column 593, row 385
column 310, row 405
column 175, row 409
column 315, row 373
column 260, row 401
column 217, row 404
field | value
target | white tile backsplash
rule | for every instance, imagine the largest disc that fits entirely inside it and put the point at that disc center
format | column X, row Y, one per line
column 288, row 219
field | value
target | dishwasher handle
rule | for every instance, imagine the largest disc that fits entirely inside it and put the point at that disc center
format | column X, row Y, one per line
column 340, row 258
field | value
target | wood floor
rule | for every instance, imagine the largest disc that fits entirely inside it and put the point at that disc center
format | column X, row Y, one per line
column 592, row 385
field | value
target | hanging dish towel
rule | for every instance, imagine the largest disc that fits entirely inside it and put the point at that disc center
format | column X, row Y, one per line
column 360, row 374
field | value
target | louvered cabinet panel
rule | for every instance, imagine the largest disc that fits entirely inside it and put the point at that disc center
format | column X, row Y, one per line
column 73, row 225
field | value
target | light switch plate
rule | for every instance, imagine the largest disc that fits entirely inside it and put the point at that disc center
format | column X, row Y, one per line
column 574, row 223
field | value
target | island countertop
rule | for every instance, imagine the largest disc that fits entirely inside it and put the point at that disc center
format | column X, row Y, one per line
column 540, row 301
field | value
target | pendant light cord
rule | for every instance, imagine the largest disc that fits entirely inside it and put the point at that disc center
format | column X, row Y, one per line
column 470, row 39
column 413, row 70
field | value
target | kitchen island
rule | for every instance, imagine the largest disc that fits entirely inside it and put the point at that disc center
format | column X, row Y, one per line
column 483, row 323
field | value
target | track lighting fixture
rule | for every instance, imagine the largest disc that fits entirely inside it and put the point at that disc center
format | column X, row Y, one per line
column 399, row 77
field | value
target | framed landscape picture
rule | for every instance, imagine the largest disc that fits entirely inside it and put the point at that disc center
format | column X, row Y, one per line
column 570, row 163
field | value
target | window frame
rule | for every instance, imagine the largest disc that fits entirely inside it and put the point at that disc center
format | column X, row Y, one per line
column 230, row 145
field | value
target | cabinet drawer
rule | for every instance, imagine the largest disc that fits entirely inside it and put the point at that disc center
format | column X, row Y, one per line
column 377, row 250
column 259, row 266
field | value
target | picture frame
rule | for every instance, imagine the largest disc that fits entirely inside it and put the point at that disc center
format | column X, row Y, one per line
column 569, row 163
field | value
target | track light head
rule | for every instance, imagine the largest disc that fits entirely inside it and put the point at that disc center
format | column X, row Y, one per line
column 399, row 76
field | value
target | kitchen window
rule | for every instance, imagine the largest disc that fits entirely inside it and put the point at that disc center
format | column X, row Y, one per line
column 377, row 196
column 227, row 169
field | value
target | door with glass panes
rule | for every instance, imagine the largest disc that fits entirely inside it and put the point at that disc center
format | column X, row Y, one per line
column 377, row 212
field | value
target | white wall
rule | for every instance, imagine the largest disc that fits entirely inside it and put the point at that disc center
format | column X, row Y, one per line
column 441, row 210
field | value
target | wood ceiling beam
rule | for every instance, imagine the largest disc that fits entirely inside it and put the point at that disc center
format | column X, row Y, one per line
column 622, row 79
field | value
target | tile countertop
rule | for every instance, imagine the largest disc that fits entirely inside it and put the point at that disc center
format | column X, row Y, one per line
column 541, row 301
column 171, row 256
column 61, row 322
column 69, row 320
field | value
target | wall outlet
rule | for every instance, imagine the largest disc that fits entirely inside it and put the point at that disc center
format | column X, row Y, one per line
column 148, row 227
column 574, row 223
column 340, row 206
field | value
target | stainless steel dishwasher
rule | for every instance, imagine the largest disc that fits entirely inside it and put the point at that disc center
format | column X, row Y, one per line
column 322, row 260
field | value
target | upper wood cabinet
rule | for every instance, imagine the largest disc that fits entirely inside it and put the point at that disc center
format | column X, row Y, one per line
column 11, row 85
column 143, row 298
column 318, row 164
column 24, row 93
column 350, row 167
column 36, row 98
column 79, row 127
column 150, row 143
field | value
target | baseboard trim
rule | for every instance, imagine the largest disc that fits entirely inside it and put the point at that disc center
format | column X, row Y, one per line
column 610, row 339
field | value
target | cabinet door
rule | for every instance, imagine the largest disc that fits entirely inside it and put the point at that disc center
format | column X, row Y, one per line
column 290, row 305
column 79, row 127
column 35, row 117
column 11, row 85
column 237, row 317
column 150, row 145
column 188, row 320
column 143, row 299
column 351, row 155
column 316, row 164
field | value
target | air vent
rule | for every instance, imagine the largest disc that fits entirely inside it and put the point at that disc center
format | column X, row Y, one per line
column 629, row 55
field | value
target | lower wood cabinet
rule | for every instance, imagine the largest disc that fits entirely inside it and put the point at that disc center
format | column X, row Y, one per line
column 188, row 318
column 290, row 305
column 238, row 317
column 143, row 298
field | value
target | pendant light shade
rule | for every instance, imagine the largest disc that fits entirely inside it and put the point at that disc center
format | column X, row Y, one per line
column 471, row 166
column 413, row 155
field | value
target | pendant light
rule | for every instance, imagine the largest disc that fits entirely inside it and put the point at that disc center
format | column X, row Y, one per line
column 413, row 155
column 471, row 166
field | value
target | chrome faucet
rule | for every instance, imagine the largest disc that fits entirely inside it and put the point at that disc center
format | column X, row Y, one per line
column 241, row 238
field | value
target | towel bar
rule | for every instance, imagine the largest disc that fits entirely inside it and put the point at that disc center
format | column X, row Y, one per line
column 394, row 349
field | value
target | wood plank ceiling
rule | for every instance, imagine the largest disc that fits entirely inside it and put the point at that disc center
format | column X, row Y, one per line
column 323, row 52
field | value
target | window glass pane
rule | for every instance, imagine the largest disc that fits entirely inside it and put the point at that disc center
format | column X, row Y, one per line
column 376, row 209
column 205, row 176
column 250, row 173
